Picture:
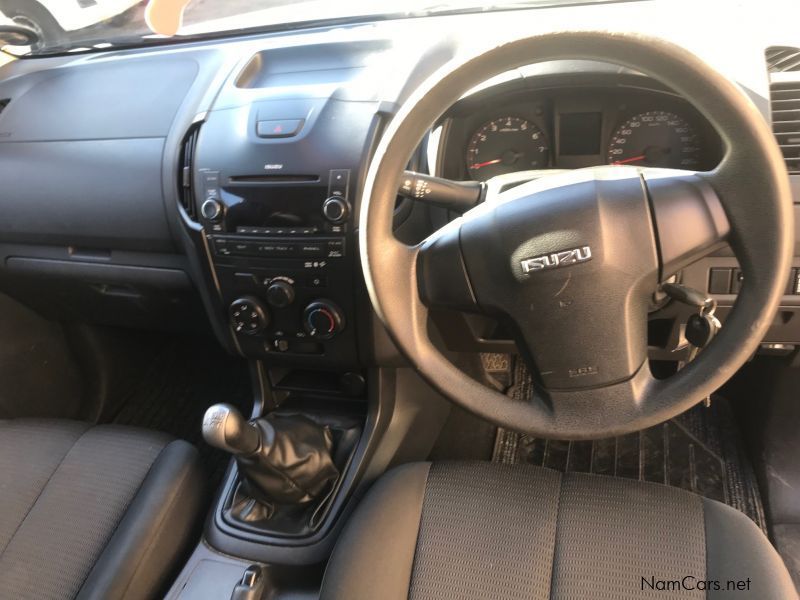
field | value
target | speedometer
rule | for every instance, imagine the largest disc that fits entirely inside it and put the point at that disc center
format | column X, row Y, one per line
column 655, row 139
column 506, row 145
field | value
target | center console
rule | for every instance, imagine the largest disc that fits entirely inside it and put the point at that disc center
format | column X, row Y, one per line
column 269, row 178
column 281, row 253
column 269, row 173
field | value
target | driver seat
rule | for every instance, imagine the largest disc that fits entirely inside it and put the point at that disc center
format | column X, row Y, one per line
column 485, row 531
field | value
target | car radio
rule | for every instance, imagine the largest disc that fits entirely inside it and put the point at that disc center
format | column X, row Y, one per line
column 281, row 206
column 280, row 247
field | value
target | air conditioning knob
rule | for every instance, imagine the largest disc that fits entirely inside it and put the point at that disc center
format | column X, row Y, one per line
column 336, row 209
column 280, row 294
column 248, row 315
column 322, row 319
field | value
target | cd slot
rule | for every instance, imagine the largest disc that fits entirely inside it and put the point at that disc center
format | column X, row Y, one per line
column 274, row 179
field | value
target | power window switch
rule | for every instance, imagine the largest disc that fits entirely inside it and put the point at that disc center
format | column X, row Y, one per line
column 719, row 281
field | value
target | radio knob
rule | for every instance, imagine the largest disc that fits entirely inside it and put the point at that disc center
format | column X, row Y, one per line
column 322, row 319
column 336, row 209
column 248, row 315
column 211, row 209
column 280, row 294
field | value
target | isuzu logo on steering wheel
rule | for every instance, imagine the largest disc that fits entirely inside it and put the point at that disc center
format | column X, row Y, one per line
column 563, row 258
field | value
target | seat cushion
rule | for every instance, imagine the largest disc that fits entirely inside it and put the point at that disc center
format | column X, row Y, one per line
column 96, row 511
column 483, row 530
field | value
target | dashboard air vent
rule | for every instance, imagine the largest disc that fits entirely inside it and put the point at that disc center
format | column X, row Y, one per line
column 785, row 105
column 3, row 103
column 783, row 58
column 186, row 170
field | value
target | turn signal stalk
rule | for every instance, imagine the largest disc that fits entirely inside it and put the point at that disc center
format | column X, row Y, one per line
column 459, row 196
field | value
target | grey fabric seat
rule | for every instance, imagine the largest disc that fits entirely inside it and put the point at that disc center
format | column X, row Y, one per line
column 93, row 511
column 486, row 531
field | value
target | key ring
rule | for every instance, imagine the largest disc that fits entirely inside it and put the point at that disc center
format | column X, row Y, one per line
column 709, row 307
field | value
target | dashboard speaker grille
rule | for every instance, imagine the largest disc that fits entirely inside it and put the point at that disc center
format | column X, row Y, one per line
column 785, row 108
column 186, row 170
column 783, row 58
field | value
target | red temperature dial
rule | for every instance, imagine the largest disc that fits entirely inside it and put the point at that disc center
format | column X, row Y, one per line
column 322, row 319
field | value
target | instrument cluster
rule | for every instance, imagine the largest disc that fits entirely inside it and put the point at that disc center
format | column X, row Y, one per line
column 572, row 126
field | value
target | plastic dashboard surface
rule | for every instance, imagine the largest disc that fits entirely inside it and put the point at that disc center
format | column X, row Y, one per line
column 81, row 150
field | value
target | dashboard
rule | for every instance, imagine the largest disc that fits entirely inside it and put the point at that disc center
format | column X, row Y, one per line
column 217, row 183
column 571, row 122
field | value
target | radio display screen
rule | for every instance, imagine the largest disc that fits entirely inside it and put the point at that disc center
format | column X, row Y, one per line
column 287, row 207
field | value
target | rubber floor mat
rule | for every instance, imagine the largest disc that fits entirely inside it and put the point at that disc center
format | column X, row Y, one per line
column 699, row 451
column 183, row 379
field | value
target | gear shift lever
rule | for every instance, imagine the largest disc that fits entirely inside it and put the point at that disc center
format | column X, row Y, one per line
column 286, row 460
column 225, row 428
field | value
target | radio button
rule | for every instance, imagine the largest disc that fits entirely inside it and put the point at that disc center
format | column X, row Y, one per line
column 241, row 248
column 335, row 248
column 331, row 228
column 221, row 246
column 337, row 184
column 311, row 249
column 275, row 249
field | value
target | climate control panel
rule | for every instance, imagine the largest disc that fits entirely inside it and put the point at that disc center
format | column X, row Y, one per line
column 321, row 319
column 292, row 312
column 284, row 269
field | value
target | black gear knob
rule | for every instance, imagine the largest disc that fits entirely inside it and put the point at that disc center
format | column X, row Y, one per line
column 225, row 428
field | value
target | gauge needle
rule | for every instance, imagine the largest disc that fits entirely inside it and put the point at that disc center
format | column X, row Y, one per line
column 487, row 163
column 629, row 160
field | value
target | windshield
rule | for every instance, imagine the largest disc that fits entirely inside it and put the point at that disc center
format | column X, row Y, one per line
column 82, row 25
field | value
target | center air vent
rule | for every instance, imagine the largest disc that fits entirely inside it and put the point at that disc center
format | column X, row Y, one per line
column 781, row 59
column 186, row 172
column 785, row 105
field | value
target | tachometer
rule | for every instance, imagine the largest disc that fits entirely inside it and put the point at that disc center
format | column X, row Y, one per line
column 506, row 145
column 655, row 139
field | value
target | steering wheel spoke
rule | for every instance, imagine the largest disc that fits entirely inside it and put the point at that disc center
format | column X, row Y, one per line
column 689, row 218
column 441, row 273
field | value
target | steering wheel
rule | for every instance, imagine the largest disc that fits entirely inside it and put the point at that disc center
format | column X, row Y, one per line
column 571, row 261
